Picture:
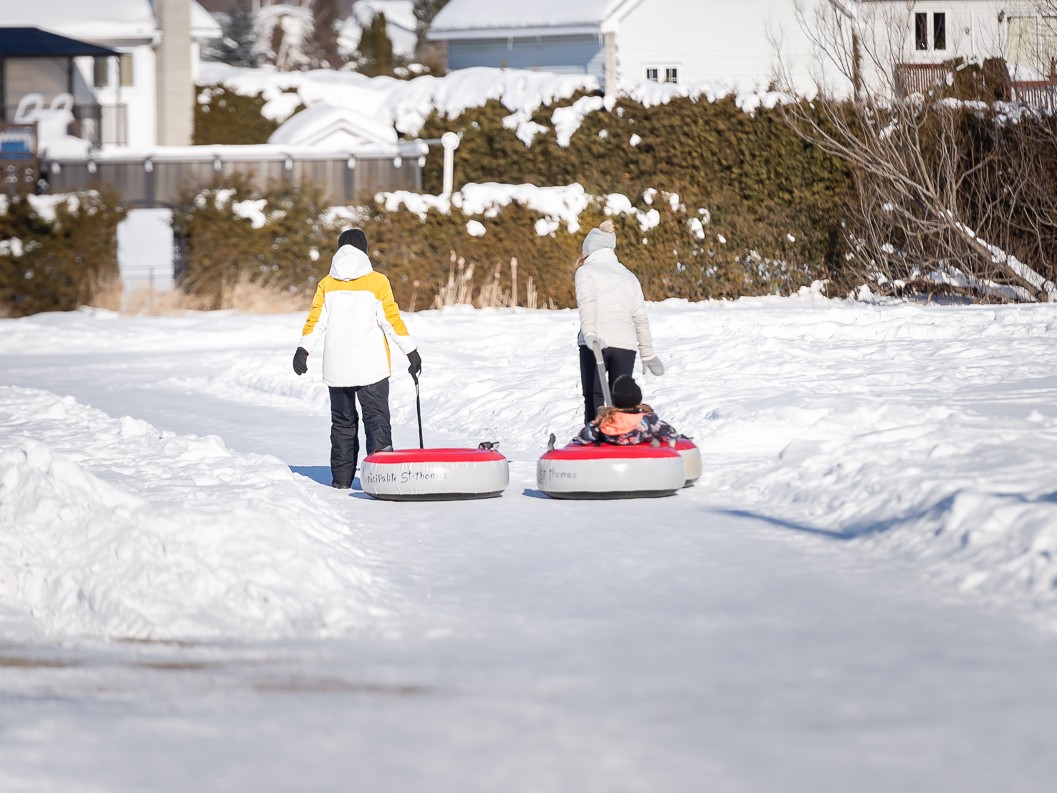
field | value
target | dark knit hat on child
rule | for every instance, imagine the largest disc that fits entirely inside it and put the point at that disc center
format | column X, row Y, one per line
column 626, row 392
column 353, row 237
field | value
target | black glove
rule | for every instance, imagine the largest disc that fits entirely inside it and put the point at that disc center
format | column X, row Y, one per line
column 301, row 361
column 415, row 369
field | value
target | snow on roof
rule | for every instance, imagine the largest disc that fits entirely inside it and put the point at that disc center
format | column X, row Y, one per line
column 489, row 14
column 121, row 20
column 203, row 25
column 319, row 123
column 405, row 104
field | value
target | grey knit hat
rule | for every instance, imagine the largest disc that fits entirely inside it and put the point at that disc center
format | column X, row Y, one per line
column 601, row 237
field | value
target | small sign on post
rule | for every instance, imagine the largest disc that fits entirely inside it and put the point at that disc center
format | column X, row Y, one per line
column 19, row 164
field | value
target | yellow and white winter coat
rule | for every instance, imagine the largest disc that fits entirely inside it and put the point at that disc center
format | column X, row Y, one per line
column 355, row 311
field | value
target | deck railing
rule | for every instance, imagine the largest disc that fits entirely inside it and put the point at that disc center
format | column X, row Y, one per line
column 920, row 78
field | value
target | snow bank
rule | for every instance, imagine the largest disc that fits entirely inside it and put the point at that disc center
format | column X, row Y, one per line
column 111, row 528
column 477, row 14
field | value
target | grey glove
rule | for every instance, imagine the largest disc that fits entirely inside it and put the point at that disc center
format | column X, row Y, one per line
column 653, row 365
column 593, row 339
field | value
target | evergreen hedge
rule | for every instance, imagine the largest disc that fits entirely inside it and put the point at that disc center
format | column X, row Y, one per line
column 777, row 196
column 57, row 264
column 776, row 212
column 223, row 248
column 226, row 117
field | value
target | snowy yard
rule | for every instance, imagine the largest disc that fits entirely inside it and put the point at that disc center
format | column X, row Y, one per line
column 858, row 595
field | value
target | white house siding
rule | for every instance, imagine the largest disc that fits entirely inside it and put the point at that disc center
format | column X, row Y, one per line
column 139, row 98
column 728, row 46
column 566, row 54
column 974, row 31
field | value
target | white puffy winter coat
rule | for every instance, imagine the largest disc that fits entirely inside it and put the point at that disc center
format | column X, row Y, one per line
column 611, row 304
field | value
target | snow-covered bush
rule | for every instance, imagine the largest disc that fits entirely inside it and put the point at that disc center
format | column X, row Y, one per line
column 238, row 233
column 226, row 117
column 756, row 177
column 57, row 252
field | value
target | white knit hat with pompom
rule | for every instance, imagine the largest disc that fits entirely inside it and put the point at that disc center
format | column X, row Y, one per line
column 601, row 237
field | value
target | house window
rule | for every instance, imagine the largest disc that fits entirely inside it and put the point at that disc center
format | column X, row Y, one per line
column 103, row 74
column 669, row 73
column 921, row 31
column 938, row 29
column 125, row 69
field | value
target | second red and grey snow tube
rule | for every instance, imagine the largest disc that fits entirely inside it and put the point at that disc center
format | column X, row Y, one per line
column 434, row 474
column 640, row 471
column 691, row 459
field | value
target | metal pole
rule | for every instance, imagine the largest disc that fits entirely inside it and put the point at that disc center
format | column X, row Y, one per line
column 418, row 411
column 450, row 142
column 596, row 346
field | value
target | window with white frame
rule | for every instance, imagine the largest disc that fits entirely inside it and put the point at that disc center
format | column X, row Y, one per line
column 666, row 74
column 930, row 31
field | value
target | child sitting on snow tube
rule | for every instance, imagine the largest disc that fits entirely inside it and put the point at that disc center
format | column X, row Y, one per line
column 628, row 421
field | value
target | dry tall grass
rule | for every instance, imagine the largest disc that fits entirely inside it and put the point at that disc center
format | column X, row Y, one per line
column 256, row 297
column 262, row 297
column 107, row 294
column 245, row 295
column 459, row 290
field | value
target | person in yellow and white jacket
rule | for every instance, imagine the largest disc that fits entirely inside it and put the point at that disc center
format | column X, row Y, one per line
column 354, row 312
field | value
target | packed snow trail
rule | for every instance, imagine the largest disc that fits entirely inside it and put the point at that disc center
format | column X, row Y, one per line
column 734, row 637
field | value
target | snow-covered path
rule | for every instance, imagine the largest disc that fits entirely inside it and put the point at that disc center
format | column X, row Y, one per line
column 794, row 624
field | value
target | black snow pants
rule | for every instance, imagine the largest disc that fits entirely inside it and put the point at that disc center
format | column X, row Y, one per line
column 617, row 362
column 344, row 426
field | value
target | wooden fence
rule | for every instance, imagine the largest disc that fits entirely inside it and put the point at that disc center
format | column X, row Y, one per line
column 1036, row 93
column 920, row 78
column 162, row 179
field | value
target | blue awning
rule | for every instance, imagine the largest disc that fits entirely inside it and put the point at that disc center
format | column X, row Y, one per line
column 37, row 43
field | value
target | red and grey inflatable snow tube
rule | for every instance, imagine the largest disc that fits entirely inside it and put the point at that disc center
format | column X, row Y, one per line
column 691, row 459
column 434, row 474
column 607, row 471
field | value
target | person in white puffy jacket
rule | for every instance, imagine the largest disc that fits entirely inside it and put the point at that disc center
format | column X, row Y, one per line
column 613, row 313
column 354, row 312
